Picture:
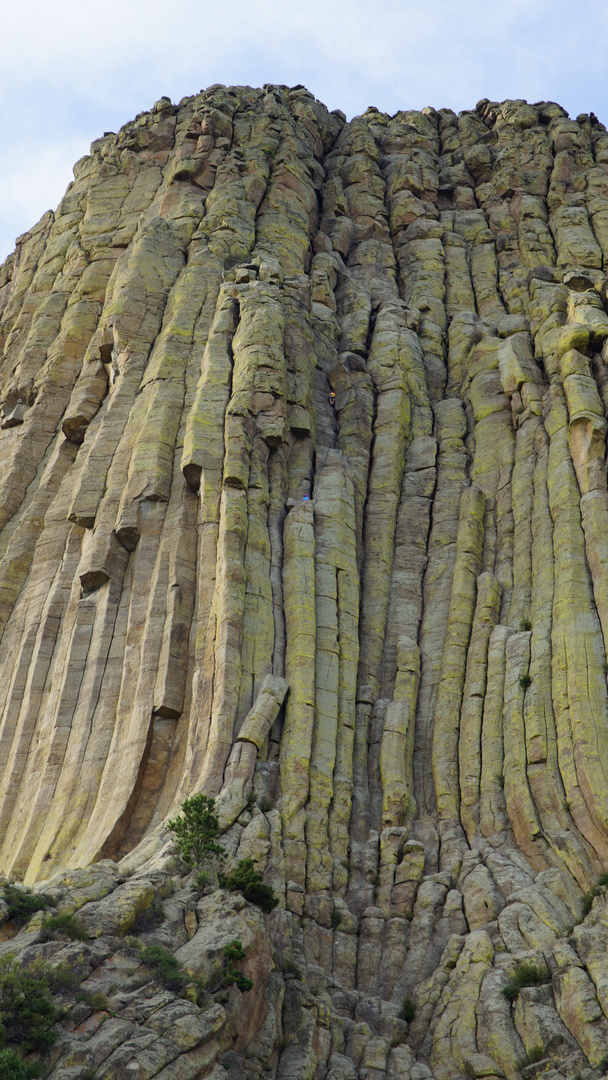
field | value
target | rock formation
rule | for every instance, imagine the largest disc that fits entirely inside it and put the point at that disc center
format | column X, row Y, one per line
column 303, row 505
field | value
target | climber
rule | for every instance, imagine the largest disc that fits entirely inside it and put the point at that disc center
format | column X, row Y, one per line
column 332, row 399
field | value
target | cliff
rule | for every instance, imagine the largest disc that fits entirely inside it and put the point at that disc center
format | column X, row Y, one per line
column 303, row 505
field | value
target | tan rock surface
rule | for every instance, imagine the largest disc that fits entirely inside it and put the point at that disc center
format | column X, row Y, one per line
column 303, row 505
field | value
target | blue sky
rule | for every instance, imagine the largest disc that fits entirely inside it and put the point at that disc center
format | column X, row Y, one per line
column 71, row 70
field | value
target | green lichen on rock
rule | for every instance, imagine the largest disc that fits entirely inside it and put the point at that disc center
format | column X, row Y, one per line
column 303, row 568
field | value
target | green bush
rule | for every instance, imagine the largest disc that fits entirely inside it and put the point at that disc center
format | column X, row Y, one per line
column 335, row 918
column 13, row 1067
column 149, row 919
column 231, row 975
column 200, row 881
column 97, row 1000
column 196, row 831
column 59, row 926
column 525, row 681
column 536, row 1054
column 27, row 1012
column 233, row 952
column 525, row 975
column 289, row 967
column 23, row 903
column 60, row 979
column 408, row 1010
column 588, row 899
column 165, row 966
column 246, row 880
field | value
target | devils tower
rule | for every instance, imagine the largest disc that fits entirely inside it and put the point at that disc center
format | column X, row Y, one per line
column 303, row 506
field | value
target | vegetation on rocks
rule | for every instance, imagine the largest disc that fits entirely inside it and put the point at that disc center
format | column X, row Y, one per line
column 408, row 1010
column 23, row 902
column 246, row 880
column 27, row 1012
column 164, row 966
column 233, row 952
column 196, row 831
column 149, row 919
column 525, row 975
column 534, row 1055
column 64, row 925
column 13, row 1067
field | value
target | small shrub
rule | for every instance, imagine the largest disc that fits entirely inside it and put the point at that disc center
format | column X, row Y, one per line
column 537, row 1053
column 525, row 975
column 245, row 879
column 266, row 804
column 408, row 1010
column 165, row 966
column 200, row 881
column 13, row 1067
column 196, row 831
column 27, row 1012
column 234, row 951
column 60, row 979
column 58, row 926
column 232, row 976
column 335, row 918
column 289, row 967
column 23, row 903
column 149, row 919
column 525, row 624
column 603, row 1064
column 133, row 943
column 603, row 880
column 525, row 681
column 588, row 899
column 97, row 1000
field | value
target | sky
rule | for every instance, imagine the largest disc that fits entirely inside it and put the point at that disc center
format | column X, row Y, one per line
column 70, row 70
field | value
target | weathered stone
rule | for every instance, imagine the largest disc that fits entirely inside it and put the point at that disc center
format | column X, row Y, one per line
column 303, row 505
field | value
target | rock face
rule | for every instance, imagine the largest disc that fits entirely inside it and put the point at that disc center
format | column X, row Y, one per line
column 303, row 497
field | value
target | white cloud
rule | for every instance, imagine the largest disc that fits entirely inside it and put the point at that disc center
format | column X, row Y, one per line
column 72, row 70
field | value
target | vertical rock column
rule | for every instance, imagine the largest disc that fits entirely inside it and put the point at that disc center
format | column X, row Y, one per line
column 578, row 684
column 337, row 613
column 450, row 428
column 255, row 415
column 469, row 546
column 296, row 742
